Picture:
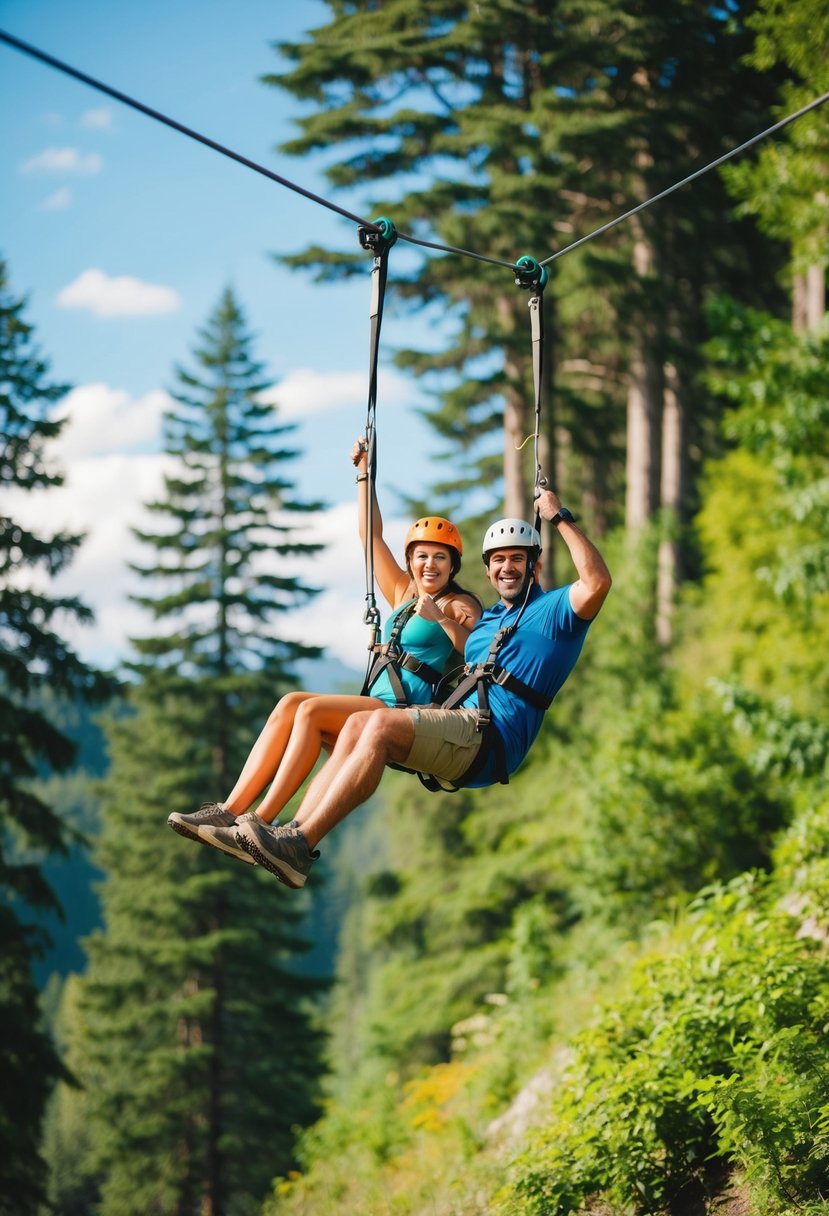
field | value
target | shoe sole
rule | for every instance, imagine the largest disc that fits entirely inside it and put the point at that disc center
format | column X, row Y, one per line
column 187, row 832
column 289, row 876
column 205, row 837
column 183, row 829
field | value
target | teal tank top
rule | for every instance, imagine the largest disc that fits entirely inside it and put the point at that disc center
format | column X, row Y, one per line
column 424, row 640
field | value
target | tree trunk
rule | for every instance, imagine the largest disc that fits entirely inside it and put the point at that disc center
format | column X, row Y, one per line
column 669, row 565
column 808, row 299
column 815, row 296
column 644, row 406
column 799, row 303
column 643, row 432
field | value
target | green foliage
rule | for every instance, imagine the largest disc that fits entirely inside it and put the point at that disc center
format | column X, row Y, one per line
column 785, row 186
column 778, row 382
column 682, row 804
column 762, row 612
column 717, row 1051
column 29, row 1066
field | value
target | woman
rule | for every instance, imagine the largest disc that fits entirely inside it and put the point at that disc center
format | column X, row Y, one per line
column 424, row 638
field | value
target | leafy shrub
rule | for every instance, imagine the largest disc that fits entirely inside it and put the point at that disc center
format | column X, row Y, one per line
column 679, row 798
column 717, row 1054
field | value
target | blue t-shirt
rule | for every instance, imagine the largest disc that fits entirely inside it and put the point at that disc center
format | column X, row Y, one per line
column 542, row 652
column 424, row 640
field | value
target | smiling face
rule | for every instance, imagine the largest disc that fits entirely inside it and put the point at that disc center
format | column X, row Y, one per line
column 507, row 570
column 430, row 566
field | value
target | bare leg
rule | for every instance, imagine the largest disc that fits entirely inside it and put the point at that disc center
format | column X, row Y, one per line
column 367, row 743
column 317, row 724
column 266, row 753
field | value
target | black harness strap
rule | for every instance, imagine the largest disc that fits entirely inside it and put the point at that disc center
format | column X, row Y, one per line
column 379, row 238
column 490, row 672
column 389, row 657
column 478, row 679
column 530, row 275
column 385, row 656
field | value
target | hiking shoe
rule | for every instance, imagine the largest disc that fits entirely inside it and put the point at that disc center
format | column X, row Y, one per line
column 283, row 851
column 223, row 836
column 208, row 815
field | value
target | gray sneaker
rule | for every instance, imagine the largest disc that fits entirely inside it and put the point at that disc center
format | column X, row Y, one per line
column 223, row 836
column 211, row 814
column 283, row 851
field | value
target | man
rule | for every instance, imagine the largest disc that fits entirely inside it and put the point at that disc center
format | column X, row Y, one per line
column 537, row 637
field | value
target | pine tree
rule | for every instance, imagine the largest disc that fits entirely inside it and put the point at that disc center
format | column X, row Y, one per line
column 230, row 518
column 198, row 1053
column 34, row 656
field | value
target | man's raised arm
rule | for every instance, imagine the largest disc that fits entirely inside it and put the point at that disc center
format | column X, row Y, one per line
column 589, row 591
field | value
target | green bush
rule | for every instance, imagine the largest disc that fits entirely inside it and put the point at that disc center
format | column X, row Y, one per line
column 716, row 1055
column 678, row 805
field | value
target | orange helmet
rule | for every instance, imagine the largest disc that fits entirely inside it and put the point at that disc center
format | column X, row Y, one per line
column 437, row 531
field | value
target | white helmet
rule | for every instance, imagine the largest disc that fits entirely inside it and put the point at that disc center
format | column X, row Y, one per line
column 511, row 534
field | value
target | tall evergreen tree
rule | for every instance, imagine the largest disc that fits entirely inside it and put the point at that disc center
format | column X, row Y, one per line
column 33, row 656
column 533, row 123
column 198, row 1050
column 229, row 517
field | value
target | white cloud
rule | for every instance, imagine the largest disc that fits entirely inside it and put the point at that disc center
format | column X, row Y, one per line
column 64, row 160
column 100, row 119
column 103, row 420
column 120, row 296
column 57, row 201
column 103, row 497
column 334, row 618
column 304, row 392
column 104, row 494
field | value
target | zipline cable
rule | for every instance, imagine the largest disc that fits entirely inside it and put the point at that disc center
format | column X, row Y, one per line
column 467, row 253
column 778, row 126
column 27, row 49
column 60, row 66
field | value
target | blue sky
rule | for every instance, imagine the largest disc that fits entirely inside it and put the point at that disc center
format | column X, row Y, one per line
column 122, row 233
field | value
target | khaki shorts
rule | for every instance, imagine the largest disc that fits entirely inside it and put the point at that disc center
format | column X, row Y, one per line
column 446, row 741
